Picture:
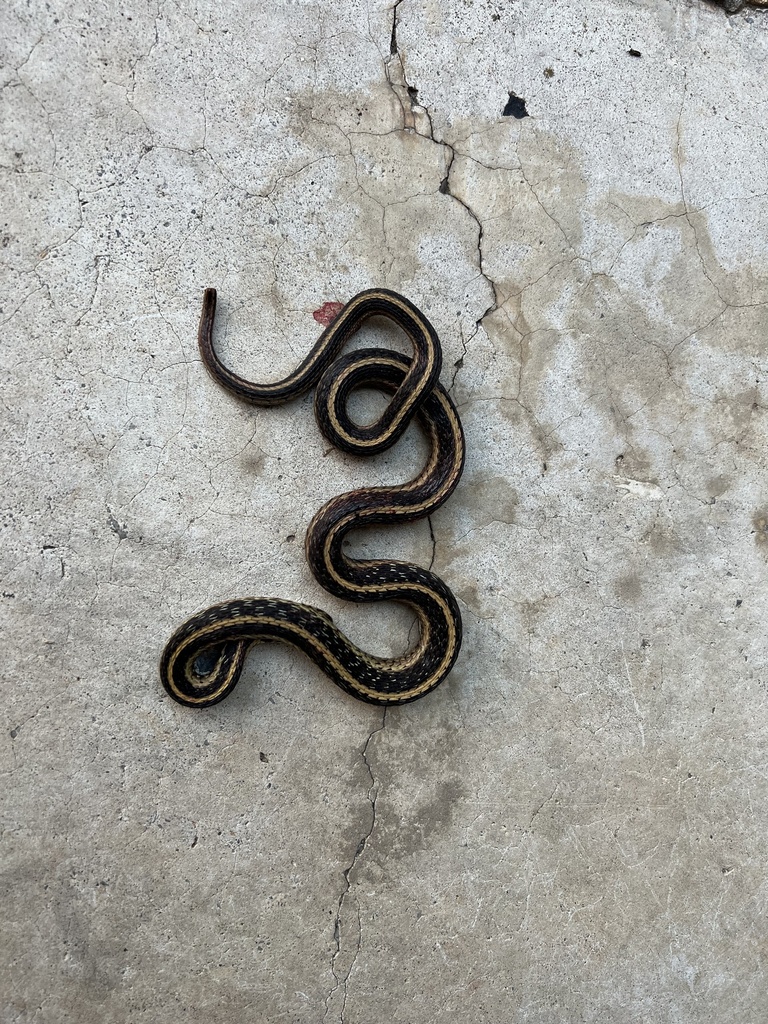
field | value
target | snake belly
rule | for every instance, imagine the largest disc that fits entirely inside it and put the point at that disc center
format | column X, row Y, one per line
column 203, row 660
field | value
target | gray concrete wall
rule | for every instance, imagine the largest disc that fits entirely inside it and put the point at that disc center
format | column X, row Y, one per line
column 572, row 827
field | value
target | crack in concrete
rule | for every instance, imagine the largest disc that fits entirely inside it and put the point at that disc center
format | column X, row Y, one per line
column 417, row 118
column 407, row 95
column 341, row 977
column 445, row 188
column 688, row 212
column 393, row 38
column 434, row 542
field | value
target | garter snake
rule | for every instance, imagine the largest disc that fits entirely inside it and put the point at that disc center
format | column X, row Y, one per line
column 203, row 660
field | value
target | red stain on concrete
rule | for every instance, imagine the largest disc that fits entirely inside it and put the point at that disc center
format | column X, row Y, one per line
column 328, row 313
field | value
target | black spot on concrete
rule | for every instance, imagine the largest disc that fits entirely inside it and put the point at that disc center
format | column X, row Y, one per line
column 515, row 107
column 634, row 53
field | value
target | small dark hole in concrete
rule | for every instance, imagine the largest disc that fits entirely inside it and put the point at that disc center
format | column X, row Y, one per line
column 515, row 107
column 444, row 187
column 634, row 53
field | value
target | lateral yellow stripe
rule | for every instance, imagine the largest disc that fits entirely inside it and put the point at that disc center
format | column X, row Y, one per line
column 223, row 624
column 426, row 345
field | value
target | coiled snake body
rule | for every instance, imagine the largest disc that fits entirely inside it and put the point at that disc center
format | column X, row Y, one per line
column 203, row 660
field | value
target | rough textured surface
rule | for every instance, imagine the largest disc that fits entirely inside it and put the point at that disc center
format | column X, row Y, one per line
column 572, row 828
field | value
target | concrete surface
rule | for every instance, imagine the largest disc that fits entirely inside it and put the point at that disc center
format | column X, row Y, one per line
column 572, row 828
